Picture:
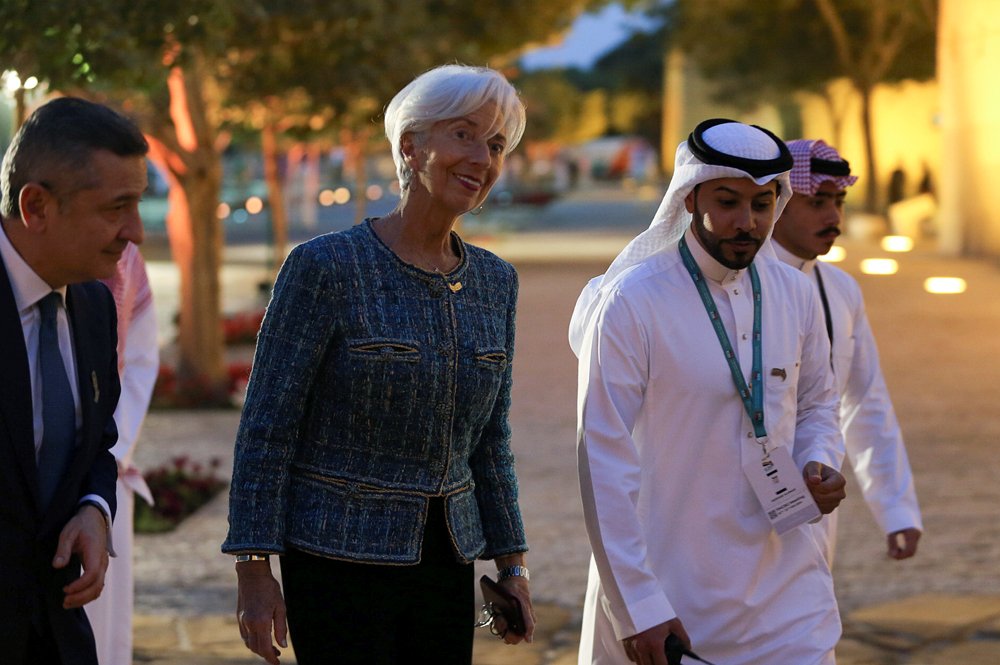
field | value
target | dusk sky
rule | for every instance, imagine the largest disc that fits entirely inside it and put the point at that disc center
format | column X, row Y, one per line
column 591, row 36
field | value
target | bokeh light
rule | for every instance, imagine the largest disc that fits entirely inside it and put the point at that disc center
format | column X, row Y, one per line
column 946, row 285
column 835, row 255
column 223, row 211
column 341, row 195
column 374, row 192
column 11, row 81
column 254, row 205
column 897, row 243
column 879, row 267
column 326, row 198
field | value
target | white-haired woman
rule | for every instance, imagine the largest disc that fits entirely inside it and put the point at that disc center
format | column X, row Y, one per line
column 374, row 453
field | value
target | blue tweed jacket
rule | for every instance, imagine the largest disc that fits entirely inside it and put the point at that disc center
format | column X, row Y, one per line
column 375, row 386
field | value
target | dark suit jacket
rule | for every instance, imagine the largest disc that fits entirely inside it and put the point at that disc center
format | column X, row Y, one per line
column 30, row 588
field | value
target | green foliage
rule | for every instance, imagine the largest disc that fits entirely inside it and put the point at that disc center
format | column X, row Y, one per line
column 755, row 51
column 619, row 94
column 340, row 59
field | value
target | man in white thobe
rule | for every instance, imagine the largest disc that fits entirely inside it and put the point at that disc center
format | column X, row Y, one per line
column 669, row 451
column 807, row 228
column 110, row 615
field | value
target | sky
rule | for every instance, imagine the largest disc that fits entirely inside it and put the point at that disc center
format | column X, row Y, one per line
column 590, row 37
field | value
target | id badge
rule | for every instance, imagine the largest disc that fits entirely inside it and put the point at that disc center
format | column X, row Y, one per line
column 781, row 490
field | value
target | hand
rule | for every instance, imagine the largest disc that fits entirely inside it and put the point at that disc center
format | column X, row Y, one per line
column 909, row 545
column 259, row 605
column 647, row 648
column 518, row 587
column 85, row 535
column 826, row 485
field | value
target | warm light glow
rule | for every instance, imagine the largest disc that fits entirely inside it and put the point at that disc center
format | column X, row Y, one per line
column 835, row 255
column 341, row 195
column 897, row 243
column 223, row 211
column 326, row 197
column 254, row 205
column 30, row 83
column 944, row 285
column 879, row 267
column 11, row 81
column 374, row 192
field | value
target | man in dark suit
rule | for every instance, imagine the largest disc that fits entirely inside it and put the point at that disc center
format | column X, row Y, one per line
column 71, row 182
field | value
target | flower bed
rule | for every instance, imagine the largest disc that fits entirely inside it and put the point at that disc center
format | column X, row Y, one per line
column 179, row 488
column 172, row 393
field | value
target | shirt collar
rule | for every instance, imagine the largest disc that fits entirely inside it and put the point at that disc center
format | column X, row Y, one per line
column 797, row 262
column 27, row 286
column 710, row 268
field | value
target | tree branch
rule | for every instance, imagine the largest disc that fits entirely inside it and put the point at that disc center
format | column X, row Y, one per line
column 839, row 33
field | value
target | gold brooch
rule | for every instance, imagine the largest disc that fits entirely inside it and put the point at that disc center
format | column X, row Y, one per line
column 456, row 287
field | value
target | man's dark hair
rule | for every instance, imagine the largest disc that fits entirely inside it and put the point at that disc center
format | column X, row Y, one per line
column 59, row 138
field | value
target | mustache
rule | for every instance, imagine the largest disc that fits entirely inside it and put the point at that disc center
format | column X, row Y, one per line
column 829, row 232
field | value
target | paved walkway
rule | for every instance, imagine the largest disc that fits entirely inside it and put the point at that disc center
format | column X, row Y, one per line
column 941, row 355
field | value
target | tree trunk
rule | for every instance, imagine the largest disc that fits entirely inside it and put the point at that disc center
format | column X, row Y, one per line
column 276, row 196
column 311, row 183
column 871, row 183
column 358, row 152
column 20, row 109
column 185, row 149
column 836, row 116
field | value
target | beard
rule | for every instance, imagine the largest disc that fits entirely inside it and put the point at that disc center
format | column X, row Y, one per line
column 726, row 250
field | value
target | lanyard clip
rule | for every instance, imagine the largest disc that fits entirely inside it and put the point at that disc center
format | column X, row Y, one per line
column 762, row 441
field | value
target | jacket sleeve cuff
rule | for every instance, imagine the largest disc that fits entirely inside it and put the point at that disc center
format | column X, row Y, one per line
column 101, row 504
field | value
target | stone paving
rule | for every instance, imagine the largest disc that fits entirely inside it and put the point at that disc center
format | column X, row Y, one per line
column 941, row 356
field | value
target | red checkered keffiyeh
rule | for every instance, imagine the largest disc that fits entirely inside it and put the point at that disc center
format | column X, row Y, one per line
column 804, row 180
column 130, row 288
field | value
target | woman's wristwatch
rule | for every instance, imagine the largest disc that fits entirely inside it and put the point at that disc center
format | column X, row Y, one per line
column 513, row 571
column 242, row 558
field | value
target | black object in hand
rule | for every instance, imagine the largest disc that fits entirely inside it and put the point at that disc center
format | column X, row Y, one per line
column 503, row 602
column 675, row 649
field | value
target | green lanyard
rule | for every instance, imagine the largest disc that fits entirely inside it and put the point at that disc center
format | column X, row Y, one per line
column 753, row 400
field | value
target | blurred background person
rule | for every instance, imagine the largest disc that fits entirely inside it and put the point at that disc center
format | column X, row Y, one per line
column 807, row 229
column 374, row 452
column 138, row 362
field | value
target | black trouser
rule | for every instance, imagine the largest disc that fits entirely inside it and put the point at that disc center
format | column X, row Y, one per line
column 344, row 612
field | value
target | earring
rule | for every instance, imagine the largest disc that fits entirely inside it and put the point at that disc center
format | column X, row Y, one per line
column 477, row 211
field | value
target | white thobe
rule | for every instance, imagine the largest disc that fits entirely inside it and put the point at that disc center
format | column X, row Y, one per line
column 675, row 527
column 871, row 431
column 110, row 615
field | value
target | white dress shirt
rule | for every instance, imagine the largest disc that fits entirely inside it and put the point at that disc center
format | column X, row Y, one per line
column 28, row 290
column 871, row 431
column 675, row 527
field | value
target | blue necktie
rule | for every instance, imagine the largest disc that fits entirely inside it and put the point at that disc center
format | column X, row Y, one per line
column 58, row 409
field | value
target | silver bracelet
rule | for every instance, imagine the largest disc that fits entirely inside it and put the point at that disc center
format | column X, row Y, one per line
column 513, row 571
column 242, row 558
